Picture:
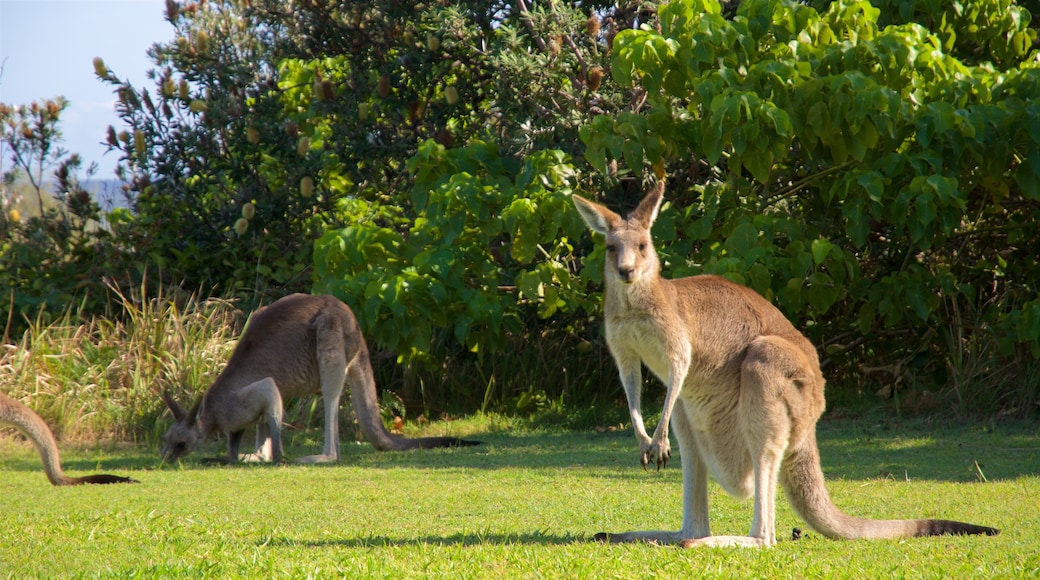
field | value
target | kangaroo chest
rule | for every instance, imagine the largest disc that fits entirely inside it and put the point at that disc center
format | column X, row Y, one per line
column 638, row 335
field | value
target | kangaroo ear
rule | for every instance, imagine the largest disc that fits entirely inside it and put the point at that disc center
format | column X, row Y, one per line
column 175, row 407
column 598, row 218
column 646, row 213
column 193, row 414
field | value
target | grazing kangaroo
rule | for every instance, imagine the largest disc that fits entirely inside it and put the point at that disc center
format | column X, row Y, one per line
column 25, row 420
column 744, row 389
column 299, row 345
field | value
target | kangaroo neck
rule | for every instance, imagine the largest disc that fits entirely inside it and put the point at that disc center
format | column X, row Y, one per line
column 640, row 296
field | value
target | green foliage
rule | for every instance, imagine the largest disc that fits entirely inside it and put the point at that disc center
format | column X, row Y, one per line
column 54, row 248
column 874, row 169
column 483, row 237
column 308, row 127
column 327, row 103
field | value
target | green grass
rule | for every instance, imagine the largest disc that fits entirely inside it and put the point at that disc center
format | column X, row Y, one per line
column 523, row 505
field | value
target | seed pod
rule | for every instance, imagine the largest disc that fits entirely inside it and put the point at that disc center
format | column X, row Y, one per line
column 592, row 26
column 99, row 67
column 595, row 78
column 307, row 186
column 249, row 211
column 139, row 142
column 383, row 87
column 201, row 42
column 451, row 94
column 241, row 226
column 112, row 139
column 252, row 135
column 172, row 11
column 328, row 91
column 303, row 146
column 124, row 136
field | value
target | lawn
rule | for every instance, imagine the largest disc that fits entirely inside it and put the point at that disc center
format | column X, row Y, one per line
column 523, row 505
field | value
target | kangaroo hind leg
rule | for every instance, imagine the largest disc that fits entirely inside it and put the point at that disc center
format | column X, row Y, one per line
column 771, row 379
column 332, row 373
column 263, row 401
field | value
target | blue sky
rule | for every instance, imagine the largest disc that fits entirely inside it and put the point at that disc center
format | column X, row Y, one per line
column 47, row 48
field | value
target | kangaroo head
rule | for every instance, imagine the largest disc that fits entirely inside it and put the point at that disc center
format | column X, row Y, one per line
column 185, row 434
column 631, row 257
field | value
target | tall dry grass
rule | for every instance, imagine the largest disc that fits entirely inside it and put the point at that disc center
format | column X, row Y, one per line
column 100, row 378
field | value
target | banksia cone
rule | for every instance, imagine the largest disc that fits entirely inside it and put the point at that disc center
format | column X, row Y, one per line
column 139, row 142
column 595, row 78
column 198, row 106
column 362, row 111
column 252, row 135
column 592, row 26
column 303, row 146
column 383, row 87
column 307, row 186
column 451, row 94
column 241, row 226
column 182, row 89
column 328, row 91
column 248, row 211
column 201, row 42
column 99, row 67
column 433, row 42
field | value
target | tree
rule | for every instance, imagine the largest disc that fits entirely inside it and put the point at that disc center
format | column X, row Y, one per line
column 878, row 182
column 56, row 257
column 271, row 126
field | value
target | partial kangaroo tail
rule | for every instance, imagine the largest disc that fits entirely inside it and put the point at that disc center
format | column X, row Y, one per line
column 25, row 420
column 803, row 482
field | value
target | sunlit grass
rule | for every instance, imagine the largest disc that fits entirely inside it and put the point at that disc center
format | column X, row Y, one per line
column 523, row 505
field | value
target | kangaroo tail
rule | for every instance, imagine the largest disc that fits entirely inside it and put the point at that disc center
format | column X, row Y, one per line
column 15, row 413
column 804, row 485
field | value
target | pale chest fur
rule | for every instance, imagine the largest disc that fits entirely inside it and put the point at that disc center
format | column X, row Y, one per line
column 638, row 325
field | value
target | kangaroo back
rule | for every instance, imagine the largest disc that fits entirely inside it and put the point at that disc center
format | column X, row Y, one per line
column 304, row 345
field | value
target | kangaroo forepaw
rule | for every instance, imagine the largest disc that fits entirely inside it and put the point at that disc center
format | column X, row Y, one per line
column 657, row 453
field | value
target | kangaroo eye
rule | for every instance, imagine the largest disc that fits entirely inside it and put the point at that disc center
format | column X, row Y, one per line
column 642, row 246
column 611, row 248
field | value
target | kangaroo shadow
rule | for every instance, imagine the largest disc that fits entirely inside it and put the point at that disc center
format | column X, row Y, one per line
column 461, row 539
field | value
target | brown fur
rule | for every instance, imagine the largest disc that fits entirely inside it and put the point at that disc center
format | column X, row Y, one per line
column 25, row 420
column 299, row 345
column 744, row 391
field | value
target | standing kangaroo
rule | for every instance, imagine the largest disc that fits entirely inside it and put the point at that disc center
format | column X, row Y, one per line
column 297, row 346
column 744, row 389
column 25, row 420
